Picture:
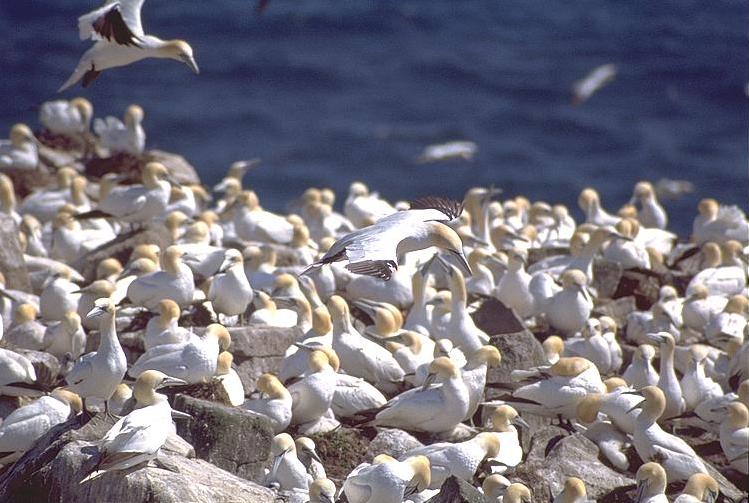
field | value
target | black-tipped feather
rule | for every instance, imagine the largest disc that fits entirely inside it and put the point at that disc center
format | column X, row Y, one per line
column 112, row 26
column 449, row 207
column 382, row 269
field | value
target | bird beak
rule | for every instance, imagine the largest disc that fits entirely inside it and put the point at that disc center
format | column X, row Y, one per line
column 177, row 414
column 617, row 235
column 314, row 455
column 95, row 313
column 326, row 498
column 428, row 381
column 284, row 302
column 463, row 263
column 225, row 265
column 172, row 181
column 642, row 486
column 190, row 62
column 171, row 381
column 519, row 421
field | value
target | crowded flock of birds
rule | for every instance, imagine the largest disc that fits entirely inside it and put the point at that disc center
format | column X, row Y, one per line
column 382, row 294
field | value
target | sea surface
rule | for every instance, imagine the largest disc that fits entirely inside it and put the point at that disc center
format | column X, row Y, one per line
column 330, row 91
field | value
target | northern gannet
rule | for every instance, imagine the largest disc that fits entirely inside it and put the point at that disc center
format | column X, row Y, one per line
column 230, row 293
column 651, row 484
column 305, row 451
column 375, row 250
column 363, row 208
column 474, row 375
column 97, row 374
column 274, row 402
column 99, row 289
column 574, row 492
column 667, row 381
column 503, row 424
column 175, row 282
column 719, row 223
column 718, row 278
column 590, row 203
column 58, row 297
column 641, row 372
column 16, row 371
column 700, row 487
column 164, row 328
column 322, row 491
column 192, row 361
column 570, row 308
column 253, row 223
column 651, row 213
column 730, row 324
column 119, row 40
column 616, row 404
column 66, row 337
column 21, row 150
column 387, row 480
column 460, row 460
column 22, row 427
column 267, row 312
column 627, row 252
column 496, row 490
column 675, row 455
column 69, row 118
column 513, row 289
column 313, row 394
column 695, row 385
column 26, row 332
column 228, row 379
column 44, row 203
column 118, row 136
column 429, row 408
column 287, row 471
column 734, row 436
column 8, row 200
column 137, row 437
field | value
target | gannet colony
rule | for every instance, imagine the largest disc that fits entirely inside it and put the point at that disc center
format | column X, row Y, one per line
column 167, row 341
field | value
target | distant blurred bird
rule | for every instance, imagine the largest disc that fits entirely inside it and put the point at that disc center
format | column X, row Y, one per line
column 595, row 80
column 119, row 41
column 450, row 150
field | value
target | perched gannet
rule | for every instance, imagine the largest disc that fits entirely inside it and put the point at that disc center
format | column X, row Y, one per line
column 119, row 40
column 97, row 374
column 137, row 203
column 677, row 458
column 510, row 493
column 305, row 451
column 556, row 390
column 58, row 297
column 362, row 208
column 267, row 312
column 641, row 372
column 387, row 480
column 474, row 375
column 695, row 385
column 651, row 213
column 230, row 292
column 164, row 328
column 718, row 278
column 628, row 253
column 274, row 403
column 287, row 471
column 667, row 381
column 8, row 202
column 229, row 379
column 360, row 356
column 730, row 324
column 432, row 409
column 26, row 332
column 734, row 436
column 574, row 492
column 175, row 282
column 15, row 371
column 44, row 203
column 617, row 404
column 592, row 346
column 553, row 348
column 513, row 289
column 584, row 89
column 313, row 394
column 651, row 484
column 322, row 491
column 719, row 223
column 590, row 203
column 22, row 427
column 700, row 487
column 66, row 337
column 20, row 151
column 503, row 424
column 99, row 289
column 68, row 118
column 253, row 223
column 121, row 400
column 137, row 437
column 118, row 136
column 460, row 460
column 374, row 250
column 192, row 361
column 570, row 308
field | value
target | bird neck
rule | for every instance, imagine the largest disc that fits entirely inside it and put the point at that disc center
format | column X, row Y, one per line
column 108, row 332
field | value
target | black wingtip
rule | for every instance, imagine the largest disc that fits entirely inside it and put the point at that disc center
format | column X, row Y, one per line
column 450, row 207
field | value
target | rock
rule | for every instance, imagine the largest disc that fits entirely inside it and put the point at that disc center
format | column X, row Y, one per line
column 571, row 456
column 119, row 248
column 7, row 405
column 520, row 350
column 26, row 181
column 12, row 264
column 177, row 165
column 455, row 490
column 233, row 439
column 495, row 318
column 180, row 446
column 52, row 469
column 606, row 276
column 642, row 284
column 393, row 442
column 341, row 451
column 46, row 366
column 257, row 350
column 618, row 309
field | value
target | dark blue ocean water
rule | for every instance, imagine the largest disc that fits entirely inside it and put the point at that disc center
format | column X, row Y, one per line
column 328, row 91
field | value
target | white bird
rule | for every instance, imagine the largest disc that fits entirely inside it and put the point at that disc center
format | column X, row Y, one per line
column 99, row 289
column 69, row 118
column 175, row 282
column 719, row 223
column 590, row 203
column 651, row 213
column 667, row 381
column 118, row 136
column 592, row 346
column 498, row 489
column 137, row 437
column 513, row 289
column 137, row 203
column 730, row 324
column 26, row 332
column 592, row 82
column 322, row 491
column 274, row 403
column 503, row 421
column 641, row 372
column 696, row 386
column 432, row 409
column 734, row 436
column 387, row 480
column 192, row 361
column 700, row 487
column 460, row 460
column 359, row 356
column 474, row 375
column 616, row 404
column 451, row 150
column 313, row 394
column 45, row 202
column 629, row 253
column 287, row 471
column 253, row 223
column 22, row 427
column 229, row 379
column 97, row 374
column 119, row 40
column 305, row 451
column 16, row 371
column 574, row 492
column 375, row 250
column 20, row 151
column 651, row 484
column 58, row 297
column 569, row 309
column 718, row 278
column 66, row 337
column 675, row 455
column 362, row 208
column 267, row 312
column 164, row 328
column 230, row 293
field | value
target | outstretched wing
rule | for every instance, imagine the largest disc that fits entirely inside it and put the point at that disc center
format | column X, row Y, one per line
column 449, row 207
column 117, row 21
column 382, row 269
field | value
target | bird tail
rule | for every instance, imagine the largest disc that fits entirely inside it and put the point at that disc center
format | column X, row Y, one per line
column 92, row 476
column 77, row 75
